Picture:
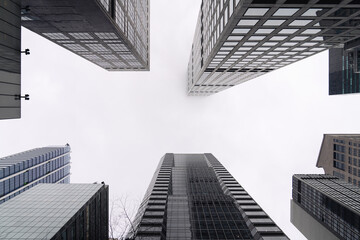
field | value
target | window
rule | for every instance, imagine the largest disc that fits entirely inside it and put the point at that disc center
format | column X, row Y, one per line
column 300, row 22
column 256, row 11
column 286, row 11
column 247, row 22
column 273, row 22
column 288, row 31
column 264, row 30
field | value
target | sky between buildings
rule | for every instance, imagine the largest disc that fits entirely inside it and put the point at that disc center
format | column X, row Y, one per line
column 119, row 124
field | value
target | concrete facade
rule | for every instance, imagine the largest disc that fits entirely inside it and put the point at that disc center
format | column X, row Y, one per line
column 307, row 225
column 340, row 156
column 320, row 199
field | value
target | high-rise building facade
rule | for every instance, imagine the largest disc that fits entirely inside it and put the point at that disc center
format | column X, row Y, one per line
column 22, row 171
column 344, row 70
column 58, row 212
column 10, row 65
column 192, row 196
column 325, row 207
column 236, row 41
column 113, row 34
column 340, row 156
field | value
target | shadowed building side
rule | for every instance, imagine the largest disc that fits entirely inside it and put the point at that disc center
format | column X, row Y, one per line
column 57, row 212
column 112, row 34
column 10, row 59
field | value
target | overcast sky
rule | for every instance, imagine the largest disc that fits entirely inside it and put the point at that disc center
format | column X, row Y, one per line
column 119, row 124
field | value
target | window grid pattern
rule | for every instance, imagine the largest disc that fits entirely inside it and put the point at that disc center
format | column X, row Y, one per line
column 57, row 211
column 331, row 201
column 24, row 170
column 259, row 223
column 344, row 71
column 130, row 28
column 346, row 158
column 259, row 38
column 187, row 199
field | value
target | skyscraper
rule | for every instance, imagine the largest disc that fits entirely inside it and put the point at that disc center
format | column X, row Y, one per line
column 57, row 211
column 236, row 41
column 10, row 66
column 113, row 34
column 344, row 70
column 24, row 170
column 340, row 156
column 325, row 207
column 192, row 196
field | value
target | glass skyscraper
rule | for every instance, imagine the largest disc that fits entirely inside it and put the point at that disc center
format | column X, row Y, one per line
column 10, row 65
column 57, row 212
column 325, row 207
column 340, row 156
column 192, row 196
column 236, row 41
column 344, row 70
column 113, row 34
column 21, row 171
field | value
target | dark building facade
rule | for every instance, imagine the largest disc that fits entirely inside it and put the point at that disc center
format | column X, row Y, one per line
column 192, row 196
column 340, row 156
column 325, row 207
column 344, row 71
column 10, row 65
column 113, row 34
column 22, row 171
column 236, row 41
column 57, row 212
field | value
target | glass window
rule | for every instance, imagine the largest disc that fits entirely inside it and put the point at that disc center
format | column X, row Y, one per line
column 256, row 38
column 312, row 12
column 241, row 30
column 278, row 38
column 298, row 38
column 311, row 31
column 288, row 31
column 235, row 38
column 264, row 30
column 256, row 11
column 273, row 22
column 300, row 22
column 286, row 11
column 247, row 22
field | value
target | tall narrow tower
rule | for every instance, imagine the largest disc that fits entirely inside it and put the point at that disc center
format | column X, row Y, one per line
column 24, row 170
column 10, row 64
column 192, row 196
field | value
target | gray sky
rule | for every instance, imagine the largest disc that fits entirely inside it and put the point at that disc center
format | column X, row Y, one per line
column 119, row 124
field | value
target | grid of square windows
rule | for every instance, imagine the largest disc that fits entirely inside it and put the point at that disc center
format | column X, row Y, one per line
column 320, row 196
column 314, row 28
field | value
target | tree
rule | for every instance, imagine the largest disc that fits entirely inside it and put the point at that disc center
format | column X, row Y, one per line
column 121, row 213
